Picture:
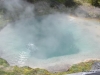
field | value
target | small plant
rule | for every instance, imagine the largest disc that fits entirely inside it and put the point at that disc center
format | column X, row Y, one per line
column 3, row 62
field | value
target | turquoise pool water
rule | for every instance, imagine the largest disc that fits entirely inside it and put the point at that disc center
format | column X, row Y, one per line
column 49, row 37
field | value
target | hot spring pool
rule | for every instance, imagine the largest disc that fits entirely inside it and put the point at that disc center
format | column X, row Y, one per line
column 38, row 42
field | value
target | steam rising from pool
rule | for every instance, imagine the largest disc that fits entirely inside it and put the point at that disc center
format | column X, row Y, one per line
column 49, row 39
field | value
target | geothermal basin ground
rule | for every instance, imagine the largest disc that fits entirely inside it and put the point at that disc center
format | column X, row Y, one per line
column 50, row 40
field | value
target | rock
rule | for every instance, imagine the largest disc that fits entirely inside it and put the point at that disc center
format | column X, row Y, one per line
column 96, row 66
column 86, row 73
column 96, row 73
column 80, row 73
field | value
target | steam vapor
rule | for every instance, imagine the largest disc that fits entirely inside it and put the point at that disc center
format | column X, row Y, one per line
column 45, row 37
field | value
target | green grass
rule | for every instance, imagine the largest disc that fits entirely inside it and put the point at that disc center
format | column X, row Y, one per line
column 81, row 67
column 3, row 62
column 89, row 2
column 15, row 70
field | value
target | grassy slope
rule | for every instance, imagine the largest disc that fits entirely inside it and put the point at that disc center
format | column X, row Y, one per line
column 6, row 69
